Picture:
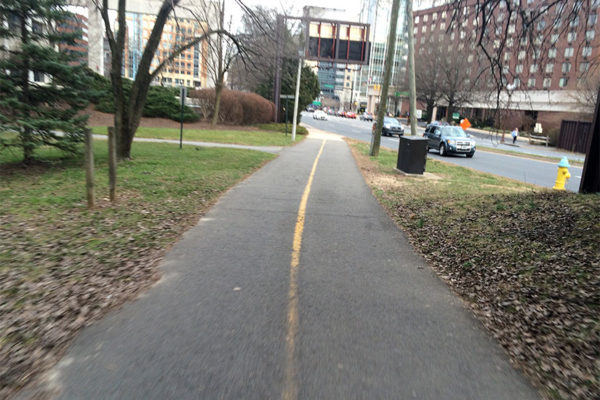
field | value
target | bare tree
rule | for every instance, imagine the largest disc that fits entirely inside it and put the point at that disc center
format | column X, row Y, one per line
column 429, row 79
column 128, row 111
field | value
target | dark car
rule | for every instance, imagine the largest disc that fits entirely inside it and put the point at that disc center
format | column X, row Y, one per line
column 391, row 127
column 449, row 140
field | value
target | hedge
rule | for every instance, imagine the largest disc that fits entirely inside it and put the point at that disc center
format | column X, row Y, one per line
column 237, row 108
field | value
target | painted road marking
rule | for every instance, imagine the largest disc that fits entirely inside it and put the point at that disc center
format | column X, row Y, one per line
column 290, row 388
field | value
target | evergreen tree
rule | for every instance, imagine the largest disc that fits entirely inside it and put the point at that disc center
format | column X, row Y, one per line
column 42, row 90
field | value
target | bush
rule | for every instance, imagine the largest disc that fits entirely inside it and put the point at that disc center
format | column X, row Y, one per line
column 161, row 102
column 237, row 108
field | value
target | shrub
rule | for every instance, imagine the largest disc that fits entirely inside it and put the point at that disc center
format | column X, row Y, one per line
column 237, row 108
column 160, row 102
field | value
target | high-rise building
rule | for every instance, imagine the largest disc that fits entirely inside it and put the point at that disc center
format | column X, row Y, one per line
column 187, row 69
column 369, row 78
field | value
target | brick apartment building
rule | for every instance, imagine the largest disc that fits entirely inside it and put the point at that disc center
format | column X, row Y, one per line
column 78, row 24
column 544, row 71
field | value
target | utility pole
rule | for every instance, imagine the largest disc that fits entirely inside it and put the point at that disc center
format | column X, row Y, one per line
column 297, row 96
column 412, row 88
column 389, row 63
column 277, row 75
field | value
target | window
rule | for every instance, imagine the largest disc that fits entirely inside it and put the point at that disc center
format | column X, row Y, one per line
column 521, row 55
column 505, row 70
column 562, row 82
column 586, row 51
column 443, row 14
column 571, row 36
column 554, row 38
column 416, row 19
column 509, row 42
column 569, row 52
column 541, row 24
column 517, row 82
column 523, row 41
column 511, row 28
column 462, row 34
column 575, row 21
column 442, row 26
column 566, row 67
column 552, row 53
column 470, row 58
column 531, row 82
column 533, row 68
column 549, row 68
column 452, row 35
column 519, row 69
column 507, row 56
column 424, row 28
column 547, row 82
column 434, row 16
column 425, row 18
column 592, row 19
column 589, row 35
column 584, row 66
column 38, row 76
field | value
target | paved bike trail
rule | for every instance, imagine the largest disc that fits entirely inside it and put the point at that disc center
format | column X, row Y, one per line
column 373, row 321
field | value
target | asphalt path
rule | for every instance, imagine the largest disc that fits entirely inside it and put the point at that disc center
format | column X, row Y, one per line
column 537, row 172
column 295, row 285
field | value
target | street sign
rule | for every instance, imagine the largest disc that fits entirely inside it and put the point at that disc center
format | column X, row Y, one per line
column 338, row 41
column 419, row 114
column 287, row 96
column 455, row 115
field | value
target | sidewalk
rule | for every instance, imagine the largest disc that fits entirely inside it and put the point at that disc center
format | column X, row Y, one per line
column 361, row 316
column 522, row 146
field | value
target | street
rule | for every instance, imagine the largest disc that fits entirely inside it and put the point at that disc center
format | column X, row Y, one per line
column 542, row 173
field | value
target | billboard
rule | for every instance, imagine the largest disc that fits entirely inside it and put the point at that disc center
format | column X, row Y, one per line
column 338, row 42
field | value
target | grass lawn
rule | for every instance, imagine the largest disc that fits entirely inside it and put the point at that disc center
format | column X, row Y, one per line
column 525, row 259
column 245, row 137
column 62, row 265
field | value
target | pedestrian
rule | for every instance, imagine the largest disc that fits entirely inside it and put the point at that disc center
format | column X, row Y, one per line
column 514, row 134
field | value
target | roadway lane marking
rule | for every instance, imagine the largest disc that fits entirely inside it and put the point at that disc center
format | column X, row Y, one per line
column 290, row 387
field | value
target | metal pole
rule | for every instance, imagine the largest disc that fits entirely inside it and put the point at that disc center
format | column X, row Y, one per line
column 590, row 178
column 277, row 75
column 412, row 101
column 286, row 117
column 296, row 100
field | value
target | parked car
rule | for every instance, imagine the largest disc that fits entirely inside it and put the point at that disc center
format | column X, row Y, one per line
column 366, row 116
column 341, row 113
column 320, row 114
column 350, row 114
column 330, row 112
column 391, row 127
column 449, row 140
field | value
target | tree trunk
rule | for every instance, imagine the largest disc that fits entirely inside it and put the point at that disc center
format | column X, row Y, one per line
column 217, row 107
column 430, row 106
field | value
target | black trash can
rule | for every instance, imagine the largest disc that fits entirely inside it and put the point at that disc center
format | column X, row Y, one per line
column 412, row 154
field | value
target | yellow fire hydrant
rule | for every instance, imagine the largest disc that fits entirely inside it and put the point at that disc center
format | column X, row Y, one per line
column 563, row 174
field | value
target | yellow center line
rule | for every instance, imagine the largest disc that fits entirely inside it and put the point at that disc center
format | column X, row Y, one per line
column 290, row 388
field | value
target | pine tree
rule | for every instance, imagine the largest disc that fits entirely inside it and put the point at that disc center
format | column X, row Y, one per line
column 42, row 90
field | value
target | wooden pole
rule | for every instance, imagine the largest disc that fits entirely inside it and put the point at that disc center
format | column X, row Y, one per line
column 112, row 164
column 411, row 70
column 387, row 73
column 89, row 168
